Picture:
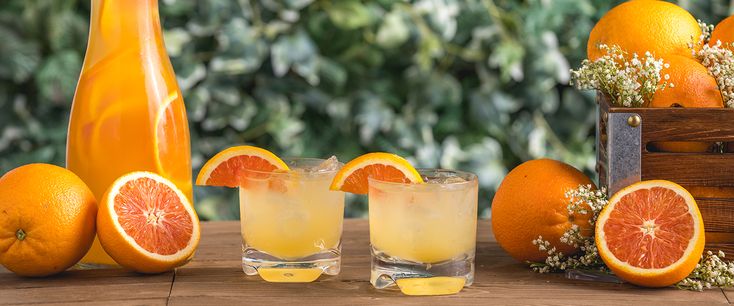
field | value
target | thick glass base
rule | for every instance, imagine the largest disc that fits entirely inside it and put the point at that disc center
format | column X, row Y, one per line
column 413, row 278
column 302, row 270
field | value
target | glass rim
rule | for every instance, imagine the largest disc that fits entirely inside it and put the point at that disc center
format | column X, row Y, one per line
column 291, row 162
column 469, row 178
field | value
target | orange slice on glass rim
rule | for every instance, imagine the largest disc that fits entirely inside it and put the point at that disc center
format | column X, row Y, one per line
column 228, row 167
column 651, row 233
column 146, row 224
column 383, row 166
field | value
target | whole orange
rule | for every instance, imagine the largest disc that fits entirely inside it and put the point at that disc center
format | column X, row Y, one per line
column 693, row 86
column 639, row 26
column 47, row 219
column 724, row 32
column 531, row 202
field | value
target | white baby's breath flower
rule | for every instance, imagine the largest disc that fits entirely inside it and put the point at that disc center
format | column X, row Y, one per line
column 719, row 60
column 583, row 200
column 630, row 83
column 711, row 271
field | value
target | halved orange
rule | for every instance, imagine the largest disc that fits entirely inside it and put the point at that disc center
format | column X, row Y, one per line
column 227, row 167
column 651, row 233
column 146, row 224
column 383, row 166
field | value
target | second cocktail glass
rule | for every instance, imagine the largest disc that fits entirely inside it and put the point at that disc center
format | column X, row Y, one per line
column 291, row 222
column 423, row 236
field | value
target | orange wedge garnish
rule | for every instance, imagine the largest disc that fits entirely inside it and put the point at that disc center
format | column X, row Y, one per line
column 382, row 166
column 228, row 167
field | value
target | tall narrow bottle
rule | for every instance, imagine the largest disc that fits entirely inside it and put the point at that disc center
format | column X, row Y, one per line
column 128, row 112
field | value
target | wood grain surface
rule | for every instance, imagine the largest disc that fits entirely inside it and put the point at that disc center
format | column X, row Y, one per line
column 214, row 277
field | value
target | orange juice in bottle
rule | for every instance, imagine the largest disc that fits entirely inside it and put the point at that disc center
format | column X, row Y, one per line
column 128, row 113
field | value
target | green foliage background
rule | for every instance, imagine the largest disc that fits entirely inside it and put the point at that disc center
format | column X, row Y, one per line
column 479, row 85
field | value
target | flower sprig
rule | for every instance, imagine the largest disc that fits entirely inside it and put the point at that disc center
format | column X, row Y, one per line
column 712, row 271
column 718, row 59
column 586, row 197
column 630, row 83
column 587, row 259
column 706, row 30
column 583, row 200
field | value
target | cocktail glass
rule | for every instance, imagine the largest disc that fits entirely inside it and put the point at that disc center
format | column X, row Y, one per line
column 291, row 222
column 423, row 236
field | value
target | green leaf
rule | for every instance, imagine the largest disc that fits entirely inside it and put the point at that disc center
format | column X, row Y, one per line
column 332, row 72
column 58, row 77
column 372, row 117
column 297, row 4
column 18, row 58
column 429, row 48
column 394, row 31
column 295, row 51
column 175, row 40
column 241, row 49
column 508, row 57
column 67, row 30
column 349, row 14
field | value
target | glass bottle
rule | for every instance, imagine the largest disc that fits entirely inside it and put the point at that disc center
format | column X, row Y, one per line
column 128, row 112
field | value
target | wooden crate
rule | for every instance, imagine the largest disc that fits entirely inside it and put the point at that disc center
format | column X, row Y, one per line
column 708, row 176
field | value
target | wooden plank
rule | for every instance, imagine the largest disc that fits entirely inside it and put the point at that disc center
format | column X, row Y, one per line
column 126, row 302
column 710, row 169
column 499, row 279
column 498, row 298
column 113, row 286
column 729, row 293
column 718, row 214
column 507, row 283
column 664, row 124
column 701, row 124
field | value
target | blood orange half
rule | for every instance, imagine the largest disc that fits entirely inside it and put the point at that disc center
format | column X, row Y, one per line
column 146, row 224
column 651, row 233
column 383, row 166
column 228, row 167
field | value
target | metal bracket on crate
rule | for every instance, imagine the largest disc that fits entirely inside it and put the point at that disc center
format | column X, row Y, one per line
column 623, row 153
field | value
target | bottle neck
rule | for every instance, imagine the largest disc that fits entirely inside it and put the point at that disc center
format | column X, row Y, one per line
column 116, row 23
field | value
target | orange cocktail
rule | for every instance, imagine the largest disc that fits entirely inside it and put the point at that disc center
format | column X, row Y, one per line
column 423, row 236
column 291, row 222
column 128, row 112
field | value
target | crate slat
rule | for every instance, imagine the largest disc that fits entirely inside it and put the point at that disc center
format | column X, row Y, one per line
column 717, row 214
column 686, row 124
column 702, row 169
column 680, row 124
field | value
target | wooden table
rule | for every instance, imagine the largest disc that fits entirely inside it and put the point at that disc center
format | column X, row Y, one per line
column 214, row 277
